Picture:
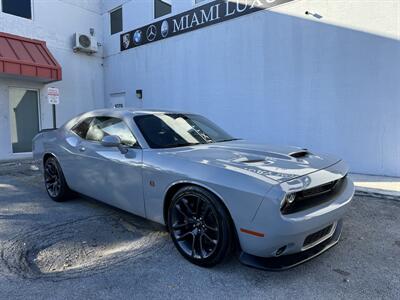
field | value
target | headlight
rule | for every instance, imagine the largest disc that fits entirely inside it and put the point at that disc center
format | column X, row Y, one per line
column 288, row 200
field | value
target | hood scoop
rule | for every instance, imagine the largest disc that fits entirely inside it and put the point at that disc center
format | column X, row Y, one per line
column 300, row 154
column 253, row 161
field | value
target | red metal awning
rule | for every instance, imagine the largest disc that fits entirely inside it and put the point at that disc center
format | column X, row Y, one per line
column 23, row 57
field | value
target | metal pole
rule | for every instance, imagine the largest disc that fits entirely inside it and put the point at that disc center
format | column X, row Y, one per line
column 54, row 116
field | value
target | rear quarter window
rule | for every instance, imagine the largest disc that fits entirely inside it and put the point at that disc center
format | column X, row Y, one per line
column 82, row 127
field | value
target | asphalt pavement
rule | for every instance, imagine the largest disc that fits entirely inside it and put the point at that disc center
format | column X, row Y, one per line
column 83, row 249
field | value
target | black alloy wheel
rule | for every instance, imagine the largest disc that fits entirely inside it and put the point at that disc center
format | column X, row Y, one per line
column 199, row 226
column 55, row 183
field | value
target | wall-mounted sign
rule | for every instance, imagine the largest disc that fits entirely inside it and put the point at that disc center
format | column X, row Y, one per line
column 117, row 100
column 211, row 13
column 53, row 95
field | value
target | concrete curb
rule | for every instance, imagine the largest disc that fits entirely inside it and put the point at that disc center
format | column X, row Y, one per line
column 377, row 194
column 376, row 186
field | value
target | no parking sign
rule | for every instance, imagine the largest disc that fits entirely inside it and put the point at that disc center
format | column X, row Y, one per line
column 53, row 95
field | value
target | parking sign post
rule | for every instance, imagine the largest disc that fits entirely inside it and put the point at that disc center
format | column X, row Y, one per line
column 54, row 116
column 53, row 96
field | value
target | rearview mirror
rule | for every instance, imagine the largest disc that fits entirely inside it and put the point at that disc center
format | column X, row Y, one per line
column 111, row 141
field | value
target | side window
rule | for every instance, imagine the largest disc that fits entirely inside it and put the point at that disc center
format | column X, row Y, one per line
column 104, row 126
column 162, row 8
column 82, row 128
column 116, row 20
column 20, row 8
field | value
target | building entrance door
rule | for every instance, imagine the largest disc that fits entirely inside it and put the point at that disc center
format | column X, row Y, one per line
column 24, row 117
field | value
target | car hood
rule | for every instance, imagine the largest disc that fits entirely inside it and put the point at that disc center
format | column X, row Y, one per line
column 277, row 163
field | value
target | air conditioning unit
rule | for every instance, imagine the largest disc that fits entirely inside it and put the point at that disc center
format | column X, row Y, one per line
column 85, row 43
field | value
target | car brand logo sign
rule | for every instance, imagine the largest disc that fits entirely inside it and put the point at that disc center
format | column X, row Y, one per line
column 164, row 28
column 126, row 40
column 211, row 13
column 137, row 37
column 151, row 33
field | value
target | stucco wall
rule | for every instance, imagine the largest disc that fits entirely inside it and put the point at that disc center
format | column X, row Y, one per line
column 281, row 77
column 82, row 86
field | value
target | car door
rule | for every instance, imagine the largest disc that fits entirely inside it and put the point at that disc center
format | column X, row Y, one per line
column 111, row 176
column 77, row 165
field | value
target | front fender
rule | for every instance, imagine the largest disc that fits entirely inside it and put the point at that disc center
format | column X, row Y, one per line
column 241, row 194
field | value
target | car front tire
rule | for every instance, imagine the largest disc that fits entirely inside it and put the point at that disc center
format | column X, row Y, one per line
column 200, row 226
column 54, row 180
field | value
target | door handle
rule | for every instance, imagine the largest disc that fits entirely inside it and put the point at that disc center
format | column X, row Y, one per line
column 82, row 149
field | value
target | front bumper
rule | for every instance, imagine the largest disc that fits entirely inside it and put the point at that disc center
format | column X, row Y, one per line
column 291, row 231
column 292, row 260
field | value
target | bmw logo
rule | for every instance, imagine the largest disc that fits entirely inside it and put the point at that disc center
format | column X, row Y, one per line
column 164, row 28
column 137, row 36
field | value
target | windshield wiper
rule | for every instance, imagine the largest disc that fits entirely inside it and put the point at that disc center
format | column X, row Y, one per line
column 229, row 140
column 180, row 145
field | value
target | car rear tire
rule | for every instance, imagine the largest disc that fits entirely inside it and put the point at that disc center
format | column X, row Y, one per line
column 200, row 226
column 54, row 181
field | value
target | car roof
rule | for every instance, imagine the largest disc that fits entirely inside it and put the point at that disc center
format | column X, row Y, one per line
column 133, row 111
column 117, row 112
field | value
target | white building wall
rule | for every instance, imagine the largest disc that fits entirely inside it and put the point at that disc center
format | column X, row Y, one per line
column 81, row 88
column 279, row 76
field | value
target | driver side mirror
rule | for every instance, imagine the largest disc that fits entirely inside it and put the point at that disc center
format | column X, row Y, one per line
column 114, row 141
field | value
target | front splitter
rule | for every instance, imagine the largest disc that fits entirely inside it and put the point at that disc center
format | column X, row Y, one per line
column 285, row 262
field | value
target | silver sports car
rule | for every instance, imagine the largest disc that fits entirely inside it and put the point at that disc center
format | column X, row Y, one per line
column 277, row 206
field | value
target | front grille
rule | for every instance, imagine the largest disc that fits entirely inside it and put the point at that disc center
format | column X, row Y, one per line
column 317, row 236
column 313, row 196
column 319, row 190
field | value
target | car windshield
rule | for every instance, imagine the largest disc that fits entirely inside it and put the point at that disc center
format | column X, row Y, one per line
column 169, row 130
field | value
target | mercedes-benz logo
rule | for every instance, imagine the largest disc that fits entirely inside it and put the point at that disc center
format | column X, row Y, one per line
column 151, row 33
column 164, row 28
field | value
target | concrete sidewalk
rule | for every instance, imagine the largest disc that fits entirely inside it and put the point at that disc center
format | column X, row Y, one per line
column 377, row 186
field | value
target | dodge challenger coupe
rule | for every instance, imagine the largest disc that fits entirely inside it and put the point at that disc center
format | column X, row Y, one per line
column 277, row 206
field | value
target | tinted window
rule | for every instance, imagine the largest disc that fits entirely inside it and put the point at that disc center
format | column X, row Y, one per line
column 116, row 20
column 20, row 8
column 175, row 130
column 161, row 8
column 104, row 126
column 82, row 128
